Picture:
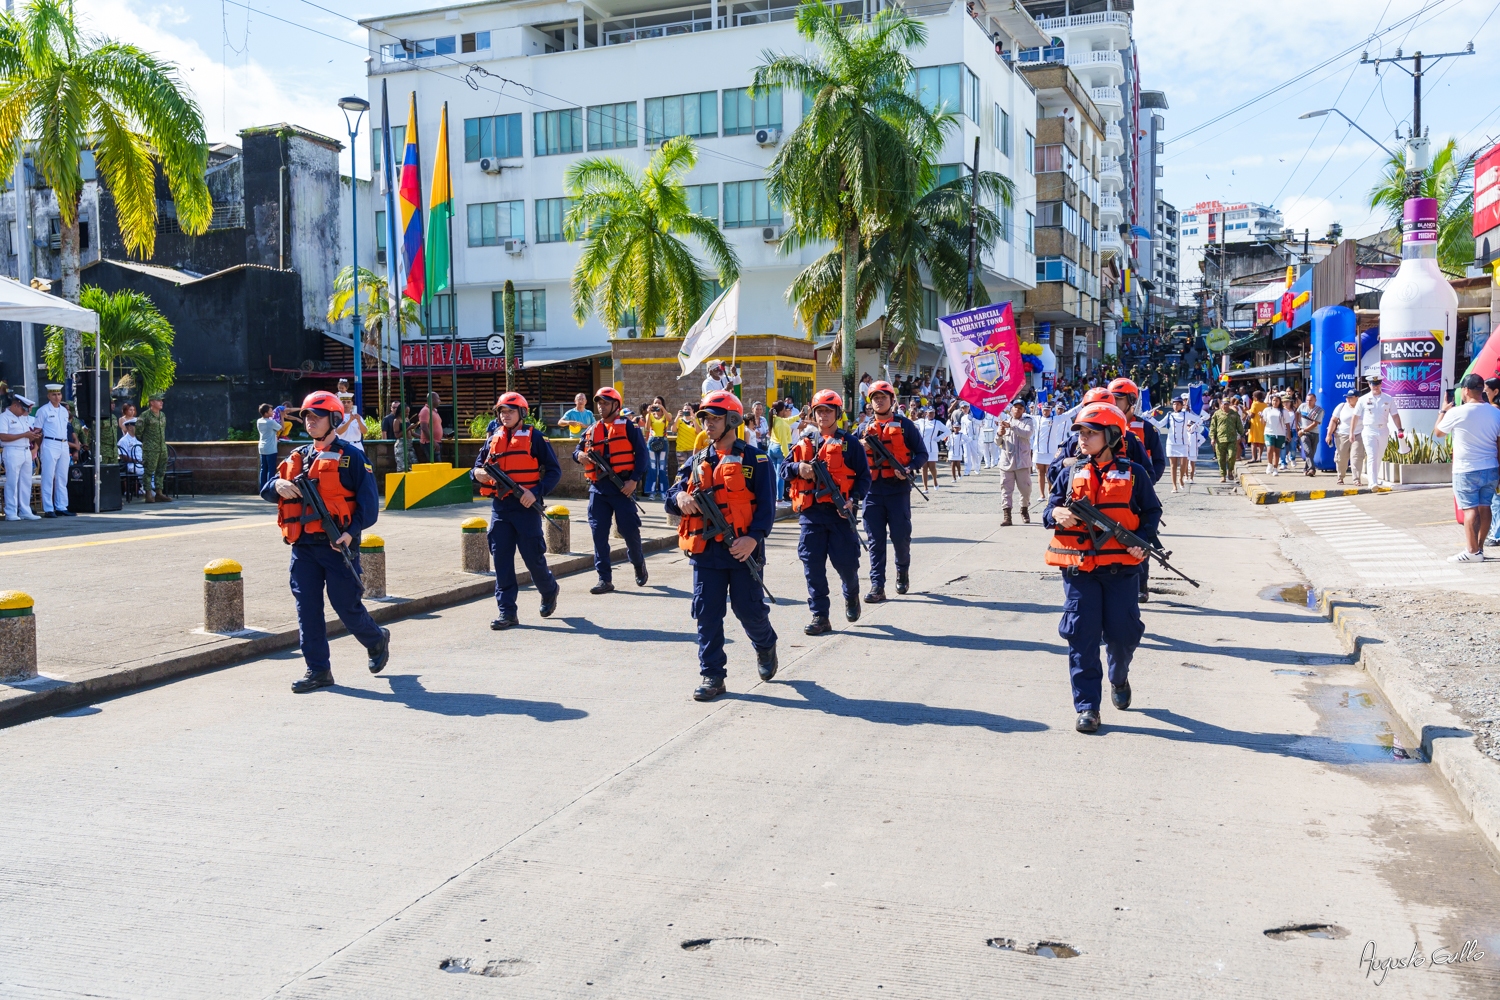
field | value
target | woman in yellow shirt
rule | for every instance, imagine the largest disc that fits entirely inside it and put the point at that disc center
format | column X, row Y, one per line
column 654, row 423
column 780, row 445
column 1257, row 429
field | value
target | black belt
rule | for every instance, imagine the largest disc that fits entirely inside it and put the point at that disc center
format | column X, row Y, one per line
column 50, row 438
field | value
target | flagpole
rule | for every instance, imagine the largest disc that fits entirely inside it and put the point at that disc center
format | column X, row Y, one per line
column 393, row 274
column 415, row 140
column 452, row 290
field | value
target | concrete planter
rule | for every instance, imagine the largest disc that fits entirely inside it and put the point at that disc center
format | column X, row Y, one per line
column 1425, row 474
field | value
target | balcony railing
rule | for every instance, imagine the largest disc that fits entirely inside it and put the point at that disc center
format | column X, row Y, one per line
column 688, row 20
column 1050, row 54
column 1085, row 60
column 1111, row 17
column 1110, row 205
column 1106, row 95
column 1113, row 134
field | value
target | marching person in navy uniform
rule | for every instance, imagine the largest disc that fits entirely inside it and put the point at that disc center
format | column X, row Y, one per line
column 1127, row 395
column 743, row 482
column 826, row 535
column 523, row 454
column 888, row 505
column 1099, row 577
column 347, row 487
column 620, row 443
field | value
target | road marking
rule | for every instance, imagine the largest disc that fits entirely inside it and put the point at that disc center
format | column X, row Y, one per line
column 1381, row 555
column 122, row 541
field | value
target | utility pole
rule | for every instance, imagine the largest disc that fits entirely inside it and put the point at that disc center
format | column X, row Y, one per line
column 973, row 225
column 1416, row 148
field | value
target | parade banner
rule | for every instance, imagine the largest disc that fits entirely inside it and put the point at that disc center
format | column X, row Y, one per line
column 984, row 355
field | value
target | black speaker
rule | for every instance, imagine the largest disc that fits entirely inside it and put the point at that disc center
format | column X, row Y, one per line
column 81, row 489
column 90, row 384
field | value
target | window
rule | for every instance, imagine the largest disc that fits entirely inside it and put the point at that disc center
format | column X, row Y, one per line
column 550, row 213
column 492, row 223
column 1056, row 157
column 424, row 48
column 441, row 316
column 531, row 310
column 746, row 203
column 685, row 114
column 1002, row 131
column 398, row 148
column 949, row 172
column 474, row 41
column 953, row 87
column 1190, row 232
column 711, row 289
column 1030, row 150
column 1060, row 213
column 497, row 136
column 87, row 169
column 742, row 115
column 1007, row 215
column 558, row 132
column 1030, row 233
column 380, row 237
column 1057, row 269
column 931, row 306
column 703, row 199
column 612, row 126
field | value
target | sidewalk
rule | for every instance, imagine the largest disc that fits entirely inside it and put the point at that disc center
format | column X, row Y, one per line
column 119, row 597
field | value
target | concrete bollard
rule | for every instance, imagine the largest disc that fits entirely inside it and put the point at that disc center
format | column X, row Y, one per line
column 17, row 636
column 223, row 596
column 372, row 565
column 476, row 547
column 559, row 530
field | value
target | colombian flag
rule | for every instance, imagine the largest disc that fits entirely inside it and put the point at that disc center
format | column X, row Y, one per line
column 411, row 211
column 441, row 212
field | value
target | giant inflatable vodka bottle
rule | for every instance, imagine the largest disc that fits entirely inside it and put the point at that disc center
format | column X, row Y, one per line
column 1418, row 317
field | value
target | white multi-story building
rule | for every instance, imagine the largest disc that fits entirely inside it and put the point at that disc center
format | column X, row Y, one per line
column 1215, row 222
column 533, row 86
column 1166, row 251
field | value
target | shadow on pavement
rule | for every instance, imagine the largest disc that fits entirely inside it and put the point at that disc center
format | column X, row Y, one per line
column 583, row 626
column 1162, row 643
column 898, row 713
column 1268, row 617
column 1322, row 749
column 407, row 689
column 1022, row 607
column 970, row 642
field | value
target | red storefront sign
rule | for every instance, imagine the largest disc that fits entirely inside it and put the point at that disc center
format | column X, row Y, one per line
column 440, row 354
column 1264, row 312
column 1487, row 191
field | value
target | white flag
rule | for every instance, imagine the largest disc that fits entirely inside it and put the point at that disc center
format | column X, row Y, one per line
column 719, row 322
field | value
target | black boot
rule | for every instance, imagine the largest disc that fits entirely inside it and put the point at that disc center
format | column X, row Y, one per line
column 1120, row 695
column 875, row 596
column 312, row 680
column 818, row 626
column 549, row 603
column 602, row 587
column 903, row 582
column 381, row 654
column 851, row 608
column 766, row 662
column 641, row 576
column 708, row 689
column 504, row 622
column 1088, row 722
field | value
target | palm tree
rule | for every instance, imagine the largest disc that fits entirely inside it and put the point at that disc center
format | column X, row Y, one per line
column 855, row 161
column 62, row 92
column 634, row 260
column 1444, row 180
column 374, row 307
column 133, row 334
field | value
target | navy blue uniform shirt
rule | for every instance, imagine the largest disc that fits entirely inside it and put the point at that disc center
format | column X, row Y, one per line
column 1143, row 499
column 638, row 447
column 541, row 450
column 356, row 476
column 857, row 461
column 918, row 452
column 762, row 483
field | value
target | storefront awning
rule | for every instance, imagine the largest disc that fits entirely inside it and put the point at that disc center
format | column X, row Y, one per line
column 1286, row 367
column 542, row 357
column 1270, row 293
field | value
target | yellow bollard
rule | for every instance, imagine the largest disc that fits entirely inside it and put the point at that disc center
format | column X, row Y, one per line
column 475, row 552
column 17, row 636
column 559, row 530
column 372, row 565
column 223, row 596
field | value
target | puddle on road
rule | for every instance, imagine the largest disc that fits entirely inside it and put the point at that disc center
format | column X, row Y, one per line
column 1353, row 728
column 1295, row 593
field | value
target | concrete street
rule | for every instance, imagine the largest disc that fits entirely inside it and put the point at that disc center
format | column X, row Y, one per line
column 905, row 811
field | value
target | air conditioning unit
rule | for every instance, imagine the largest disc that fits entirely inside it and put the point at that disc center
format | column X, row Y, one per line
column 515, row 247
column 771, row 234
column 489, row 164
column 767, row 136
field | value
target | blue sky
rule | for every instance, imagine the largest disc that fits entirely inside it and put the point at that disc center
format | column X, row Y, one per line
column 248, row 68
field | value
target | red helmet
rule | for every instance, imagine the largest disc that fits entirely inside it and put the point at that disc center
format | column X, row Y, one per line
column 828, row 398
column 512, row 399
column 1100, row 395
column 1104, row 417
column 609, row 392
column 1124, row 387
column 323, row 400
column 724, row 403
column 881, row 386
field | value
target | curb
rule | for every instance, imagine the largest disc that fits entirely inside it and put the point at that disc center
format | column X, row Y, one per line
column 61, row 696
column 1259, row 494
column 1449, row 745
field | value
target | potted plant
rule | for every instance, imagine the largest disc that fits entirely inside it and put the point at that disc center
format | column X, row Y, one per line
column 1429, row 461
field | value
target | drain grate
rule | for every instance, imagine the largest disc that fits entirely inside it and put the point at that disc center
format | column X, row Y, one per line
column 1041, row 949
column 495, row 968
column 1329, row 932
column 703, row 944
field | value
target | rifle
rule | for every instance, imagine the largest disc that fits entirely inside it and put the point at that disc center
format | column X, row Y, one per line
column 505, row 482
column 312, row 498
column 873, row 442
column 716, row 525
column 830, row 489
column 603, row 468
column 1097, row 522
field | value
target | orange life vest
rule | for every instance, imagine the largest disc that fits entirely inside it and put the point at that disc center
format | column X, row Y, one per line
column 1108, row 488
column 1138, row 428
column 728, row 477
column 804, row 492
column 295, row 518
column 510, row 451
column 894, row 439
column 612, row 441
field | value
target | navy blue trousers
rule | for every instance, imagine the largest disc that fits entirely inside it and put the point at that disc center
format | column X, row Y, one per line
column 603, row 506
column 518, row 529
column 1100, row 606
column 713, row 588
column 887, row 512
column 314, row 569
column 822, row 543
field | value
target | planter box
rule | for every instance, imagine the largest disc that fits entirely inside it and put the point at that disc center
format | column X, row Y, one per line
column 1426, row 474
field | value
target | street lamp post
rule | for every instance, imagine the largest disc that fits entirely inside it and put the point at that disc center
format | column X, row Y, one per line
column 354, row 112
column 1351, row 121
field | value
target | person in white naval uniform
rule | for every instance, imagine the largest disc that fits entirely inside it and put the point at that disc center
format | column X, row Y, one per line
column 1372, row 422
column 51, row 418
column 16, row 437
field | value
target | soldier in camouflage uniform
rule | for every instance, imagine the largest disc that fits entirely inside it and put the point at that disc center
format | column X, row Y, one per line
column 151, row 429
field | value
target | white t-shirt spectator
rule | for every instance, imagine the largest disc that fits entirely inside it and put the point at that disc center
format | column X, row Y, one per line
column 1344, row 414
column 268, row 428
column 1275, row 421
column 1476, row 436
column 712, row 384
